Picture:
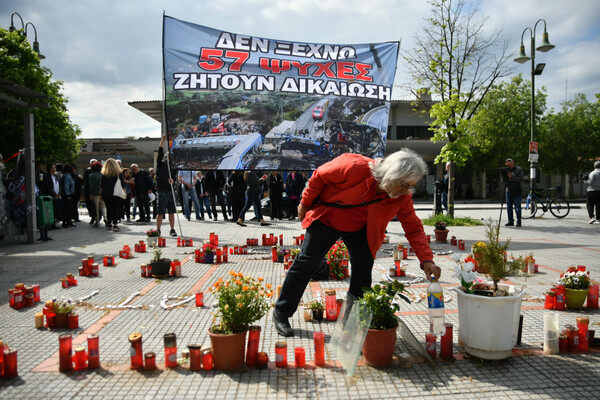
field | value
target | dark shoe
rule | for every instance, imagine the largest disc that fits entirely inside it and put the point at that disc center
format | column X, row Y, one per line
column 240, row 223
column 92, row 222
column 140, row 220
column 173, row 233
column 509, row 224
column 226, row 218
column 215, row 219
column 65, row 225
column 282, row 325
column 264, row 224
column 272, row 218
column 96, row 225
column 254, row 219
column 115, row 229
column 518, row 224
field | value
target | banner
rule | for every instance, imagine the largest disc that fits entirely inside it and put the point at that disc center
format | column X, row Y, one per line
column 242, row 102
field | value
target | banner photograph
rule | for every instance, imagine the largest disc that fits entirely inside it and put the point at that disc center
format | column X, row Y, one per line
column 243, row 102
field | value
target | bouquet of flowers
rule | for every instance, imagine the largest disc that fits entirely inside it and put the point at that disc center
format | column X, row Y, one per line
column 64, row 306
column 152, row 233
column 466, row 273
column 335, row 255
column 576, row 280
column 241, row 301
column 477, row 247
column 208, row 248
column 440, row 226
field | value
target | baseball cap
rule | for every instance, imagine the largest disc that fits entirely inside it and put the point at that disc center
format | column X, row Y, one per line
column 509, row 159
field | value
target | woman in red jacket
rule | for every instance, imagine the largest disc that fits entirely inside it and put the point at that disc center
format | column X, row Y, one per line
column 354, row 197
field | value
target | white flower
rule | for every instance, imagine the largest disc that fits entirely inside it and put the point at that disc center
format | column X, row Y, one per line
column 456, row 256
column 465, row 272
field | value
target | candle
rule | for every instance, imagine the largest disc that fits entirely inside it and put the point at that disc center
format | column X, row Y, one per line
column 144, row 273
column 319, row 339
column 170, row 341
column 307, row 314
column 281, row 354
column 73, row 321
column 199, row 299
column 207, row 361
column 583, row 324
column 330, row 306
column 225, row 254
column 93, row 341
column 563, row 343
column 252, row 350
column 36, row 293
column 573, row 335
column 592, row 297
column 80, row 358
column 430, row 340
column 195, row 356
column 65, row 348
column 300, row 357
column 559, row 300
column 446, row 342
column 39, row 320
column 150, row 361
column 550, row 300
column 10, row 363
column 136, row 350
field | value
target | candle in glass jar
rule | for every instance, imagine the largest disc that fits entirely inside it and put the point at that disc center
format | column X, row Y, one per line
column 136, row 350
column 319, row 339
column 65, row 348
column 207, row 361
column 583, row 324
column 281, row 354
column 150, row 361
column 446, row 342
column 10, row 363
column 195, row 356
column 253, row 341
column 170, row 341
column 93, row 341
column 300, row 357
column 199, row 299
column 430, row 340
column 80, row 358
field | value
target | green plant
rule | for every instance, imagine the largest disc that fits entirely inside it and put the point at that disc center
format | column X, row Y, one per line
column 450, row 221
column 241, row 300
column 156, row 253
column 379, row 300
column 576, row 280
column 492, row 256
column 294, row 252
column 317, row 306
column 209, row 249
column 64, row 306
column 440, row 226
column 152, row 233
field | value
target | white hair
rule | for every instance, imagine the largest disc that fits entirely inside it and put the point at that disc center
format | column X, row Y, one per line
column 400, row 167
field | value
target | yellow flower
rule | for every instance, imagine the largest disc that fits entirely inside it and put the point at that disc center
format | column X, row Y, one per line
column 238, row 296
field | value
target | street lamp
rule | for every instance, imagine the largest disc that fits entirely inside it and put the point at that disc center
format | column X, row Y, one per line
column 535, row 70
column 36, row 44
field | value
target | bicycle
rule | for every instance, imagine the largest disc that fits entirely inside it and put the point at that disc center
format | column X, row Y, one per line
column 558, row 206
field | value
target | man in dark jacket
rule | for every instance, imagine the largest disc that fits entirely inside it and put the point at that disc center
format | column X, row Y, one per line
column 50, row 186
column 275, row 182
column 215, row 180
column 164, row 187
column 514, row 177
column 143, row 187
column 89, row 204
column 237, row 192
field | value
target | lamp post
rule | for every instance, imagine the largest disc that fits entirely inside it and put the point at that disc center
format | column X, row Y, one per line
column 535, row 70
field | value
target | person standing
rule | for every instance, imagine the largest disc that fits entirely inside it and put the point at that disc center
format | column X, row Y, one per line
column 354, row 198
column 153, row 191
column 237, row 193
column 215, row 180
column 202, row 193
column 93, row 187
column 445, row 187
column 593, row 193
column 129, row 190
column 294, row 186
column 143, row 187
column 77, row 194
column 514, row 192
column 188, row 189
column 253, row 196
column 51, row 187
column 164, row 188
column 275, row 183
column 68, row 191
column 111, row 173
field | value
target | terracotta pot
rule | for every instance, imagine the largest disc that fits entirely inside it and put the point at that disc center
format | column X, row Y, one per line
column 378, row 348
column 62, row 320
column 575, row 298
column 228, row 350
column 482, row 269
column 441, row 236
column 161, row 268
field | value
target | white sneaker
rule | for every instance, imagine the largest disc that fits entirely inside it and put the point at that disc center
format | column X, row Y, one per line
column 592, row 220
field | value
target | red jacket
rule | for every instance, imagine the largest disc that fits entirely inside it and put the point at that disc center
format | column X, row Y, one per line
column 347, row 179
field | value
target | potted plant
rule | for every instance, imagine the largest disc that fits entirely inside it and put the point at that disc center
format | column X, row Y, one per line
column 241, row 300
column 338, row 269
column 152, row 236
column 441, row 231
column 294, row 252
column 160, row 266
column 380, row 342
column 209, row 252
column 489, row 312
column 577, row 285
column 477, row 249
column 281, row 252
column 317, row 308
column 62, row 309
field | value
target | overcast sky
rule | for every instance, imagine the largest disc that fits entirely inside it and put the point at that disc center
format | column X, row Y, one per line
column 109, row 52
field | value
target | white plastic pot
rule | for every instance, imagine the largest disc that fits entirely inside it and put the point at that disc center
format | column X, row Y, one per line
column 488, row 326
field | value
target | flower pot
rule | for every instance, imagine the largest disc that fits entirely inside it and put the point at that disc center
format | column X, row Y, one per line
column 378, row 347
column 575, row 298
column 209, row 258
column 151, row 240
column 488, row 326
column 482, row 269
column 280, row 258
column 62, row 320
column 441, row 236
column 228, row 350
column 161, row 268
column 317, row 315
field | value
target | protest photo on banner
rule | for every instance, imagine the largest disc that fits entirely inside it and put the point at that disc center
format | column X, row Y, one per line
column 234, row 101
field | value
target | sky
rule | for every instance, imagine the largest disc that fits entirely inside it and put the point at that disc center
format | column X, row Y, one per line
column 110, row 52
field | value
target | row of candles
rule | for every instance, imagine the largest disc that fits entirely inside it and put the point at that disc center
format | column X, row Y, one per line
column 8, row 362
column 23, row 296
column 570, row 339
column 555, row 297
column 445, row 343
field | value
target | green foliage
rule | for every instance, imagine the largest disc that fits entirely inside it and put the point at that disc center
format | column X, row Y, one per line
column 379, row 300
column 317, row 306
column 451, row 221
column 54, row 134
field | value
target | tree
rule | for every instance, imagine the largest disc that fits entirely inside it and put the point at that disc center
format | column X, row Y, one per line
column 55, row 135
column 456, row 61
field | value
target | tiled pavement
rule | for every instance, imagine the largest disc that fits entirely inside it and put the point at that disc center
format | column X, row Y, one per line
column 527, row 375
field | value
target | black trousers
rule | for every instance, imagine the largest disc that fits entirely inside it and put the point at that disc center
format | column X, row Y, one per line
column 217, row 195
column 317, row 241
column 113, row 209
column 593, row 201
column 275, row 205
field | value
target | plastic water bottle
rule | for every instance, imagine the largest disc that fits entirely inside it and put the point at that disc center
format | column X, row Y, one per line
column 435, row 301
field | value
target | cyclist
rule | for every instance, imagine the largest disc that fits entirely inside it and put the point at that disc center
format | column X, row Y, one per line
column 513, row 192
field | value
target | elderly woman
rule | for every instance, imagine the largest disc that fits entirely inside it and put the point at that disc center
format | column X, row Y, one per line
column 111, row 173
column 353, row 198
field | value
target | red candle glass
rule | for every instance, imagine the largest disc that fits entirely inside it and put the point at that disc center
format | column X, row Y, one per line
column 274, row 253
column 453, row 241
column 281, row 354
column 404, row 253
column 143, row 273
column 330, row 306
column 262, row 360
column 428, row 238
column 137, row 360
column 581, row 268
column 461, row 244
column 550, row 300
column 430, row 340
column 11, row 297
column 573, row 335
column 10, row 363
column 65, row 348
column 300, row 357
column 149, row 361
column 73, row 321
column 170, row 350
column 225, row 254
column 559, row 301
column 583, row 324
column 199, row 299
column 195, row 356
column 94, row 269
column 563, row 343
column 80, row 358
column 207, row 361
column 592, row 297
column 446, row 342
column 319, row 339
column 93, row 342
column 252, row 349
column 36, row 293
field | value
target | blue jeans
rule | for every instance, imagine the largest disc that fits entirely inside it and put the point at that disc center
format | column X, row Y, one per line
column 186, row 193
column 252, row 197
column 205, row 202
column 317, row 241
column 445, row 200
column 513, row 200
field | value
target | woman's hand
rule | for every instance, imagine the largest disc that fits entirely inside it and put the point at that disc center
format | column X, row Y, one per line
column 431, row 269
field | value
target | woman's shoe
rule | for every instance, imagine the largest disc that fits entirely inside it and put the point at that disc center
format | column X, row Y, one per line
column 240, row 223
column 263, row 223
column 115, row 229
